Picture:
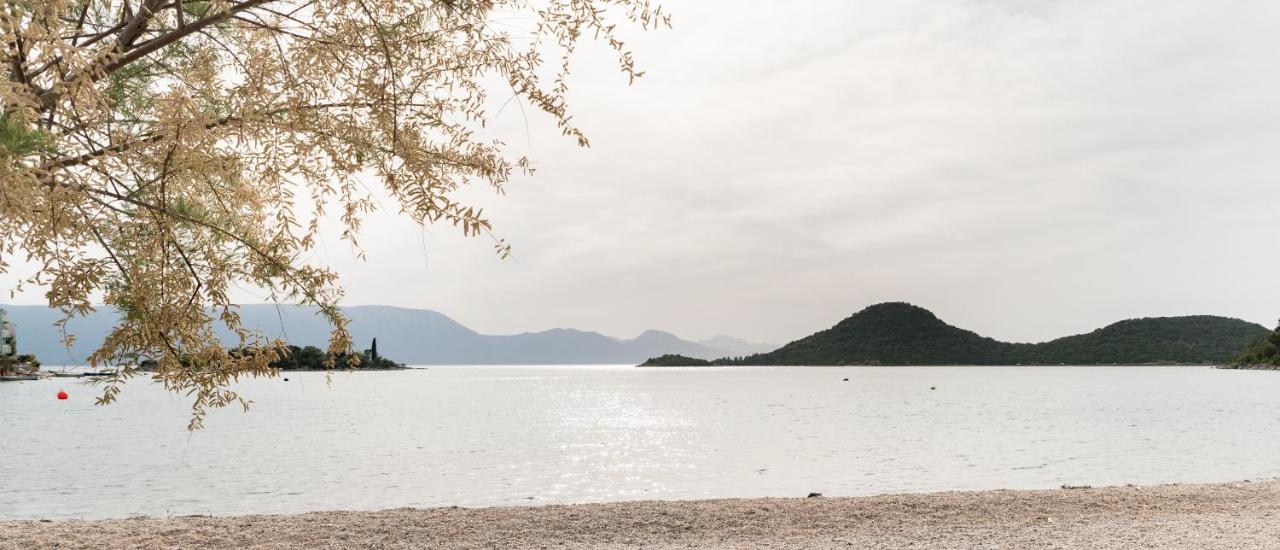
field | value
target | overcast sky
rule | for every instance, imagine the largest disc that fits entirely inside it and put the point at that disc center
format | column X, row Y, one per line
column 1024, row 168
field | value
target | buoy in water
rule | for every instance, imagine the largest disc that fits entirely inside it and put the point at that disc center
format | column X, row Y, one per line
column 62, row 395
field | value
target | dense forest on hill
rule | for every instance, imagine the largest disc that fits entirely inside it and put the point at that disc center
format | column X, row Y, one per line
column 1198, row 339
column 1264, row 354
column 904, row 334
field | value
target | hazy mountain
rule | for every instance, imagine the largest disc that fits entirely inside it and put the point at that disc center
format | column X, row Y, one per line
column 736, row 346
column 410, row 336
column 903, row 334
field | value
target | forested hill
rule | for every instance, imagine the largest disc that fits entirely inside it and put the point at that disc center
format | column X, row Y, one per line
column 1199, row 339
column 903, row 334
column 1264, row 353
column 889, row 334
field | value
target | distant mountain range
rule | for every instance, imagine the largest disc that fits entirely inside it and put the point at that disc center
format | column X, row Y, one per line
column 904, row 334
column 411, row 336
column 883, row 334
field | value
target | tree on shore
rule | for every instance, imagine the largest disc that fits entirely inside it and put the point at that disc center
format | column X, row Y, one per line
column 1263, row 353
column 154, row 154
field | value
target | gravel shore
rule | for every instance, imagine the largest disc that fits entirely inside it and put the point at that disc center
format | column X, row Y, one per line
column 1235, row 515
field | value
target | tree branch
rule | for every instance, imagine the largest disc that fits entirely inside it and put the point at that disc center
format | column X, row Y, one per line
column 49, row 98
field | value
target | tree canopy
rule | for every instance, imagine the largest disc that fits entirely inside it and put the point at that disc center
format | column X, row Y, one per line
column 155, row 154
column 1263, row 353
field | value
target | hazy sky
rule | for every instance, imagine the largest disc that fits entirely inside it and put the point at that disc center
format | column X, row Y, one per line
column 1024, row 168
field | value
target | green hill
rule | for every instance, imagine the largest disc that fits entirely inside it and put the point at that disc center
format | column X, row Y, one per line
column 889, row 334
column 1200, row 339
column 903, row 334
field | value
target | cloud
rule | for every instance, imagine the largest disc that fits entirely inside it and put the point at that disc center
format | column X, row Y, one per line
column 1024, row 168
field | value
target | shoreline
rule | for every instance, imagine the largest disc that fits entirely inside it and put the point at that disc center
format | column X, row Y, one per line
column 1249, row 367
column 1025, row 365
column 1224, row 515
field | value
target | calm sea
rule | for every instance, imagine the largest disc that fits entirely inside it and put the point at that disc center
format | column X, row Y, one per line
column 485, row 436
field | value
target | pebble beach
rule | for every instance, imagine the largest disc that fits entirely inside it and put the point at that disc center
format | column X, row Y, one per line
column 1233, row 515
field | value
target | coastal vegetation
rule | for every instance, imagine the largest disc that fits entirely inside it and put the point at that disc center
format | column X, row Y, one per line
column 904, row 334
column 155, row 155
column 1195, row 340
column 19, row 365
column 297, row 358
column 313, row 358
column 1263, row 354
column 22, row 359
column 673, row 360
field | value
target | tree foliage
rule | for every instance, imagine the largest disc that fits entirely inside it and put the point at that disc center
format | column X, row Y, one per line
column 1263, row 353
column 313, row 358
column 675, row 360
column 293, row 358
column 155, row 154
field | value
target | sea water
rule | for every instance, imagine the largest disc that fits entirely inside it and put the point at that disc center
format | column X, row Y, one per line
column 490, row 436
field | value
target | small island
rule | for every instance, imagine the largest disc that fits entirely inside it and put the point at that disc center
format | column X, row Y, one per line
column 311, row 358
column 673, row 360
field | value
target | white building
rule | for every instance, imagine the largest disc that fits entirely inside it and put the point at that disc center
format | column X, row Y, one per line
column 8, row 338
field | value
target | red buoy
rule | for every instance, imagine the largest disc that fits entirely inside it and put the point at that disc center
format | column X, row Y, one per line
column 62, row 394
